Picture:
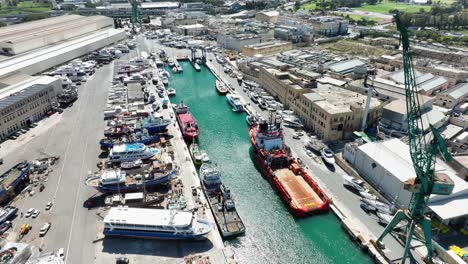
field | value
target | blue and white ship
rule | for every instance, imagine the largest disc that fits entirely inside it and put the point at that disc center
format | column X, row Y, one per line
column 117, row 181
column 153, row 124
column 131, row 152
column 7, row 213
column 12, row 178
column 235, row 102
column 138, row 137
column 155, row 224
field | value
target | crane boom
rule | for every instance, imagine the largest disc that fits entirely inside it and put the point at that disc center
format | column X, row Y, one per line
column 423, row 155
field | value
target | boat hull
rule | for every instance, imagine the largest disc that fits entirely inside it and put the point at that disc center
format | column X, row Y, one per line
column 153, row 235
column 134, row 187
column 285, row 196
column 7, row 191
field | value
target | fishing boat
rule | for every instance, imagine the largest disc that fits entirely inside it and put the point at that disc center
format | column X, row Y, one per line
column 155, row 224
column 131, row 152
column 294, row 184
column 196, row 66
column 138, row 137
column 13, row 180
column 187, row 122
column 354, row 183
column 327, row 156
column 235, row 102
column 251, row 120
column 119, row 181
column 221, row 202
column 175, row 70
column 171, row 91
column 221, row 87
column 7, row 213
column 196, row 154
column 179, row 68
column 153, row 124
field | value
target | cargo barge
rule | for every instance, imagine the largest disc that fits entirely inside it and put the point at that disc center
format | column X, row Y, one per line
column 221, row 202
column 295, row 186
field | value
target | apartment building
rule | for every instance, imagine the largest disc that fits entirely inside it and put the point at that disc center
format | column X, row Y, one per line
column 330, row 26
column 334, row 113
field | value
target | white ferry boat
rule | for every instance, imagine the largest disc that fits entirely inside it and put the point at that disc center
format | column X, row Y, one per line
column 131, row 152
column 155, row 224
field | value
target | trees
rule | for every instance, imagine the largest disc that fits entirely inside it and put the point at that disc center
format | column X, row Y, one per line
column 32, row 17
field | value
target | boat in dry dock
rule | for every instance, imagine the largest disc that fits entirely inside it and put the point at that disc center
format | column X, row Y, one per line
column 119, row 181
column 221, row 202
column 295, row 186
column 12, row 179
column 155, row 224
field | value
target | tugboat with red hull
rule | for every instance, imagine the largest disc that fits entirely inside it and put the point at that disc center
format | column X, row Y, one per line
column 295, row 186
column 187, row 122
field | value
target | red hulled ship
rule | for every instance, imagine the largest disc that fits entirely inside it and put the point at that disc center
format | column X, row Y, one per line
column 295, row 186
column 187, row 122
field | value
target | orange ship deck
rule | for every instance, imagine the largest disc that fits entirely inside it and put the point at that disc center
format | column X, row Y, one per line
column 301, row 193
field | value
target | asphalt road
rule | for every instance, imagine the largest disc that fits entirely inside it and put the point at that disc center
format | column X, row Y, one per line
column 74, row 139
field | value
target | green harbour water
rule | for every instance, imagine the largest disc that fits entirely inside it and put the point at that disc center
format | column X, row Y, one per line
column 272, row 234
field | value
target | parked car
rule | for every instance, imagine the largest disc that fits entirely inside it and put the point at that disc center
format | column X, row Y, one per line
column 29, row 212
column 4, row 227
column 48, row 206
column 36, row 213
column 44, row 229
column 122, row 260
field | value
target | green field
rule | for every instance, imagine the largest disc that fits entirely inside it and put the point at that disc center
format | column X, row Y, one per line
column 25, row 7
column 308, row 6
column 358, row 17
column 385, row 7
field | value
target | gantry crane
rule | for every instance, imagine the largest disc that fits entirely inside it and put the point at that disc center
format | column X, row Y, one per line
column 136, row 16
column 423, row 154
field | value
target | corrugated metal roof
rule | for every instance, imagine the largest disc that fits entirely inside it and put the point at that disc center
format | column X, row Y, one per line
column 458, row 91
column 432, row 83
column 347, row 65
column 21, row 95
column 399, row 77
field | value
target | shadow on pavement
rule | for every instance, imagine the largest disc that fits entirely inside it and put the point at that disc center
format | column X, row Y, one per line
column 164, row 248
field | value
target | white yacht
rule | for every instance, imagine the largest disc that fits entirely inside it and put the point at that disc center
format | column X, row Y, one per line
column 235, row 102
column 354, row 183
column 171, row 91
column 327, row 156
column 131, row 152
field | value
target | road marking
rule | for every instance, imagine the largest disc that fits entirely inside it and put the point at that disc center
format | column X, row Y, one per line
column 76, row 202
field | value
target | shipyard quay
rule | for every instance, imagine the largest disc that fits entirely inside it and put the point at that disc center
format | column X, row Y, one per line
column 223, row 132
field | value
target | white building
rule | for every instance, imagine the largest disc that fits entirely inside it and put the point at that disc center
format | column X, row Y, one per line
column 386, row 165
column 20, row 38
column 190, row 30
column 26, row 102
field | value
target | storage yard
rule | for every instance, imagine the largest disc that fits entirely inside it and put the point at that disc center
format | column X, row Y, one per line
column 250, row 137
